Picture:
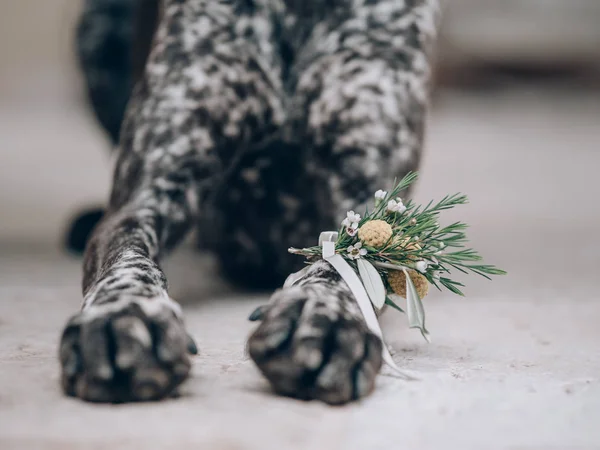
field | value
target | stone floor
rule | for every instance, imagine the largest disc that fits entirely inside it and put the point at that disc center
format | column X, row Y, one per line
column 515, row 364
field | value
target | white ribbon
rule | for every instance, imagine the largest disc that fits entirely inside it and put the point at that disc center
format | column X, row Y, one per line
column 327, row 241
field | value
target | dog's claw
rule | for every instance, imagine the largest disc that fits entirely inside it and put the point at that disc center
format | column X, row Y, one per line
column 191, row 345
column 258, row 314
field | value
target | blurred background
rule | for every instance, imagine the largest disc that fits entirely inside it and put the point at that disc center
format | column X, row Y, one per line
column 515, row 124
column 536, row 60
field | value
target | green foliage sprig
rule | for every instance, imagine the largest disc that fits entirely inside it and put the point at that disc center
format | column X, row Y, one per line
column 417, row 241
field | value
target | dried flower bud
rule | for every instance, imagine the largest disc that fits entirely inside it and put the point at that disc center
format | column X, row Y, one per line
column 397, row 281
column 375, row 233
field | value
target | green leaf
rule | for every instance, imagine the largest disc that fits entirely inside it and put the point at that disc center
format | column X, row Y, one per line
column 451, row 286
column 372, row 282
column 414, row 308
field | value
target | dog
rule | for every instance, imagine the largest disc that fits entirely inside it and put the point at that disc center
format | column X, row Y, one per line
column 261, row 122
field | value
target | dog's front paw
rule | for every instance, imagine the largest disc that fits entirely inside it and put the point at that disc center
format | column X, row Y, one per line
column 128, row 350
column 311, row 346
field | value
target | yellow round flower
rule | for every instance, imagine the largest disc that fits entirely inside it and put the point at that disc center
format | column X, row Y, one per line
column 375, row 233
column 397, row 281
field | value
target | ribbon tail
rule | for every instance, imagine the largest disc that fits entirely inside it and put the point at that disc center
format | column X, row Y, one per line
column 364, row 303
column 387, row 358
column 414, row 308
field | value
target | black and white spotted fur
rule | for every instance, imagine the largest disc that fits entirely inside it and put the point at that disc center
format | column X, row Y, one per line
column 263, row 121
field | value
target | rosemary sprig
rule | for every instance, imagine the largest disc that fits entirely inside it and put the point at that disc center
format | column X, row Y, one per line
column 417, row 242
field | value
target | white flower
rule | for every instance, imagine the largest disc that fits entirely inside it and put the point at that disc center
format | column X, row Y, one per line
column 396, row 206
column 421, row 266
column 441, row 245
column 351, row 222
column 356, row 251
column 380, row 195
column 352, row 229
column 353, row 217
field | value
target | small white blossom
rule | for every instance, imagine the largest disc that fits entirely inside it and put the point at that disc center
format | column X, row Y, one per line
column 352, row 229
column 353, row 217
column 394, row 206
column 421, row 266
column 356, row 251
column 441, row 245
column 351, row 222
column 380, row 195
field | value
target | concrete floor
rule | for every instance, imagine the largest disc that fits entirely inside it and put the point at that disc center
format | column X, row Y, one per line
column 516, row 364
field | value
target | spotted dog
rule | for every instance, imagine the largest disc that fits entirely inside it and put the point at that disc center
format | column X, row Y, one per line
column 261, row 122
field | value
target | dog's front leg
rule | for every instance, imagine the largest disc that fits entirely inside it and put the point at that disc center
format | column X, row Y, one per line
column 360, row 102
column 204, row 95
column 128, row 342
